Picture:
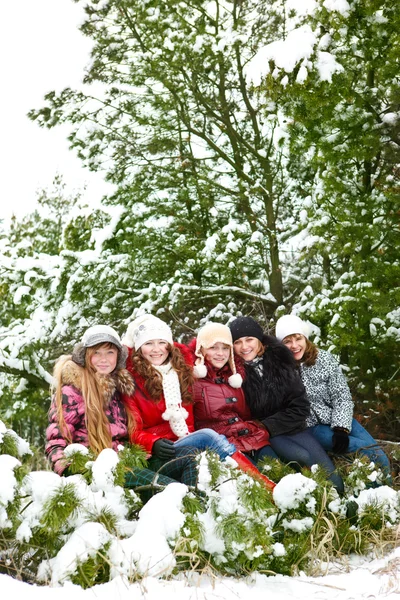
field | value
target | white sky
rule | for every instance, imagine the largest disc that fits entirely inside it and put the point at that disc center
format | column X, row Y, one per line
column 41, row 49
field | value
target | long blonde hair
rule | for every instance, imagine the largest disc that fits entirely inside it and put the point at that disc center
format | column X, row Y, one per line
column 97, row 424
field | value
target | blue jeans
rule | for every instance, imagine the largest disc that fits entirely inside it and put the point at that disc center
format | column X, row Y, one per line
column 207, row 439
column 359, row 441
column 304, row 450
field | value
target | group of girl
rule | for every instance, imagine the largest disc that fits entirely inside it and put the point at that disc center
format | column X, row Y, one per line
column 233, row 390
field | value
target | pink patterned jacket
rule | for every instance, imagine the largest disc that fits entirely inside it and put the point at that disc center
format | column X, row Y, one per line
column 74, row 413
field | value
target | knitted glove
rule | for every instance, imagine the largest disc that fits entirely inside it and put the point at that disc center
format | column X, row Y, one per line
column 340, row 440
column 164, row 449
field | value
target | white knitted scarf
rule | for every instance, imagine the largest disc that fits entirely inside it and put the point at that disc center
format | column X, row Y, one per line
column 174, row 413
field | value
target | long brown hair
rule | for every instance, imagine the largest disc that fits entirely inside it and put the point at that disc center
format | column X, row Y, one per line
column 310, row 354
column 97, row 424
column 153, row 379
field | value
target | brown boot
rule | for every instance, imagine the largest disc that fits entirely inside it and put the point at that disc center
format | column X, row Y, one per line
column 247, row 466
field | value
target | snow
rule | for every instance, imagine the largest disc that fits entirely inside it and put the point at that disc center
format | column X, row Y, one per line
column 144, row 547
column 363, row 579
column 292, row 490
column 147, row 549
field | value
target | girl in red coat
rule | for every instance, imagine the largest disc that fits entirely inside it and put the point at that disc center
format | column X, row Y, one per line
column 219, row 399
column 162, row 405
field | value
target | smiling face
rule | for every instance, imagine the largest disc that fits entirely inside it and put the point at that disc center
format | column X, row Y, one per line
column 155, row 351
column 217, row 355
column 247, row 348
column 104, row 358
column 296, row 344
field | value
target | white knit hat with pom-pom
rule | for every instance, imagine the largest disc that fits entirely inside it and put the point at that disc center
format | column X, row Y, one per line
column 209, row 335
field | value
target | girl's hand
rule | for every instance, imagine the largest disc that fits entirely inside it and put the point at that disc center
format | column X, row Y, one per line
column 340, row 440
column 164, row 449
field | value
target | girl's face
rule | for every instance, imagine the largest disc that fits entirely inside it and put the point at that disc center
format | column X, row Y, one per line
column 104, row 359
column 247, row 348
column 155, row 351
column 217, row 355
column 296, row 344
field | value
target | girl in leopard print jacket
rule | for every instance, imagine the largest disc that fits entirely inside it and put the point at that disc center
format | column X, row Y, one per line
column 331, row 418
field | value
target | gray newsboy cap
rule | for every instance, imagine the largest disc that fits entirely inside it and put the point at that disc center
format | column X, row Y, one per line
column 100, row 334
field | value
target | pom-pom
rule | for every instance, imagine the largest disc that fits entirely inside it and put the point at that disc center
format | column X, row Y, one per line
column 200, row 371
column 235, row 380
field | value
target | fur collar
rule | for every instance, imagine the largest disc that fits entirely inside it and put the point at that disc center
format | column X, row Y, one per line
column 276, row 353
column 120, row 381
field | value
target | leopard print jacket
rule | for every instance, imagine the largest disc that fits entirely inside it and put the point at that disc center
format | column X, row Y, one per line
column 327, row 390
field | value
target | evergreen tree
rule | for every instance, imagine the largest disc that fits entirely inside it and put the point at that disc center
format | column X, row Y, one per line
column 192, row 147
column 349, row 130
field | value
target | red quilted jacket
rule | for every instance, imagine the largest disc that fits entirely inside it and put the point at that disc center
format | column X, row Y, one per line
column 150, row 426
column 224, row 409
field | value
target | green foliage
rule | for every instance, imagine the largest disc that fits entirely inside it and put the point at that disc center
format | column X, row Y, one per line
column 233, row 195
column 234, row 525
column 9, row 444
column 275, row 469
column 349, row 132
column 60, row 507
column 81, row 463
column 130, row 456
column 96, row 569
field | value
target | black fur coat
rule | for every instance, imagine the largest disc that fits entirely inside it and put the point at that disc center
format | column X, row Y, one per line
column 277, row 397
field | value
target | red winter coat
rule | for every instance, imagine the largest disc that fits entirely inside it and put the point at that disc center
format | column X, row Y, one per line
column 223, row 408
column 147, row 413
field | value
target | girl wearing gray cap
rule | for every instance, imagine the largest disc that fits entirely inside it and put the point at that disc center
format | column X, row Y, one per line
column 88, row 408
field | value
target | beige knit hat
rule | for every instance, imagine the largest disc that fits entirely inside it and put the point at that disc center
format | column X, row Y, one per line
column 207, row 336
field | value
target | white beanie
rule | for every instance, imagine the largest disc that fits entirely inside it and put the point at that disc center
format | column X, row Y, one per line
column 207, row 336
column 144, row 329
column 99, row 334
column 289, row 325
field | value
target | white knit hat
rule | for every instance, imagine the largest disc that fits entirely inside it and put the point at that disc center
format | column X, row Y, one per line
column 289, row 325
column 146, row 328
column 209, row 335
column 99, row 334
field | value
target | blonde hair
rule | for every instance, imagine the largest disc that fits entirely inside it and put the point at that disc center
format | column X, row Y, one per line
column 97, row 424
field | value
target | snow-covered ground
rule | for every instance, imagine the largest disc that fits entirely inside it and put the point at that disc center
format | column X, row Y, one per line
column 356, row 579
column 145, row 545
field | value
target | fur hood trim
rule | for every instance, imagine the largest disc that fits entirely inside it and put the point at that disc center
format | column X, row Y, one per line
column 277, row 353
column 279, row 375
column 120, row 380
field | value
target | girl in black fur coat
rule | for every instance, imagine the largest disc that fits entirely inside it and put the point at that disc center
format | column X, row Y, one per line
column 276, row 396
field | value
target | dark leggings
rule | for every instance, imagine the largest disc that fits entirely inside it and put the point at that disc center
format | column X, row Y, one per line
column 303, row 450
column 257, row 455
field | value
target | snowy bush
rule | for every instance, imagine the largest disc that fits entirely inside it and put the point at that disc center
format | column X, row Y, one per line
column 88, row 528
